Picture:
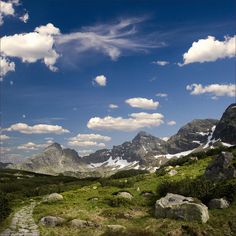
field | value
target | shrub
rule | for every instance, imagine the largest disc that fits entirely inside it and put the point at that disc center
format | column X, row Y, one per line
column 116, row 201
column 128, row 173
column 5, row 209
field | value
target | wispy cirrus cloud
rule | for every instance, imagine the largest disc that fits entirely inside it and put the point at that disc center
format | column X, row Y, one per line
column 111, row 39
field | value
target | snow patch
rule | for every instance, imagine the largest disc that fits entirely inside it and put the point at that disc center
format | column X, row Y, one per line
column 168, row 156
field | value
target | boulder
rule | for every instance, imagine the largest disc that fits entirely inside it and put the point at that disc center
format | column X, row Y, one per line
column 116, row 228
column 83, row 223
column 125, row 195
column 176, row 206
column 52, row 221
column 222, row 167
column 218, row 203
column 54, row 197
column 172, row 172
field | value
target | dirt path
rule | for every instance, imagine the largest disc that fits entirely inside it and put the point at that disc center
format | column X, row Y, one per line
column 23, row 223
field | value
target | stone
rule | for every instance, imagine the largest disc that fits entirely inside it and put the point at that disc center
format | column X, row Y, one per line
column 218, row 203
column 52, row 221
column 125, row 195
column 147, row 194
column 221, row 167
column 172, row 172
column 116, row 228
column 174, row 206
column 83, row 223
column 53, row 197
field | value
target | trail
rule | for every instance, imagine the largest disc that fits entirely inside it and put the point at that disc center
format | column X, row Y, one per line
column 22, row 223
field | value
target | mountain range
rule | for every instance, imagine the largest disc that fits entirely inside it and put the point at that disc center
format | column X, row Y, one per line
column 144, row 152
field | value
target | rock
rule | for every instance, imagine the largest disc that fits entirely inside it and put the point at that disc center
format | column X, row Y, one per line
column 172, row 172
column 54, row 197
column 83, row 224
column 218, row 203
column 95, row 187
column 116, row 228
column 125, row 195
column 138, row 189
column 176, row 206
column 52, row 221
column 222, row 167
column 147, row 194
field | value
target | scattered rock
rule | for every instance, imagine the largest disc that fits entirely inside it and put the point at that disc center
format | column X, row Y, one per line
column 218, row 203
column 54, row 197
column 172, row 172
column 176, row 206
column 147, row 194
column 93, row 199
column 52, row 221
column 222, row 167
column 83, row 223
column 138, row 189
column 125, row 195
column 116, row 228
column 95, row 187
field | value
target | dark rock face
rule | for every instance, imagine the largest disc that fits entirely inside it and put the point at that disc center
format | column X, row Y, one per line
column 191, row 136
column 223, row 167
column 226, row 128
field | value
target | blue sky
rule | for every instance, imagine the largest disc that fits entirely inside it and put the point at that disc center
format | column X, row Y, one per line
column 81, row 56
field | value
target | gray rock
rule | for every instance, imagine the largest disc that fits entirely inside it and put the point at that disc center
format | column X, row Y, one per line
column 53, row 197
column 218, row 203
column 125, row 195
column 221, row 167
column 172, row 172
column 52, row 221
column 176, row 206
column 116, row 228
column 83, row 223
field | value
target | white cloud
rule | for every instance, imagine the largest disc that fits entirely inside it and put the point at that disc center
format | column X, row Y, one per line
column 171, row 123
column 4, row 150
column 33, row 46
column 85, row 152
column 88, row 140
column 216, row 90
column 113, row 106
column 30, row 146
column 162, row 95
column 109, row 39
column 134, row 122
column 143, row 103
column 161, row 63
column 4, row 137
column 100, row 80
column 25, row 17
column 210, row 49
column 37, row 129
column 6, row 66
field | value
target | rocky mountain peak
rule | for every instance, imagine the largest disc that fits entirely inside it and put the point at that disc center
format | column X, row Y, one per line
column 54, row 146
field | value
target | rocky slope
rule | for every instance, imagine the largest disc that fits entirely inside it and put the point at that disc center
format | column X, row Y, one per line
column 144, row 151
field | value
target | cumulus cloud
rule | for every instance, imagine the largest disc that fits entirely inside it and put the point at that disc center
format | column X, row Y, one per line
column 30, row 146
column 33, row 46
column 162, row 95
column 216, row 90
column 85, row 152
column 4, row 137
column 113, row 106
column 6, row 66
column 161, row 63
column 134, row 122
column 100, row 80
column 25, row 17
column 8, row 8
column 171, row 123
column 210, row 49
column 143, row 103
column 37, row 129
column 109, row 39
column 88, row 140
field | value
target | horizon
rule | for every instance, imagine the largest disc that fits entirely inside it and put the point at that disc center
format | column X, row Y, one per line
column 111, row 70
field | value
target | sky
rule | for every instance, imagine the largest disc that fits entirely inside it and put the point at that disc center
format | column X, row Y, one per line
column 92, row 74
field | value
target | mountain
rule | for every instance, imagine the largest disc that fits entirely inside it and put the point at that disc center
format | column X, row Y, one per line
column 52, row 160
column 145, row 151
column 226, row 128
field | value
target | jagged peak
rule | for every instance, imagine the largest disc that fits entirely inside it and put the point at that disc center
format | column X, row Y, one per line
column 54, row 146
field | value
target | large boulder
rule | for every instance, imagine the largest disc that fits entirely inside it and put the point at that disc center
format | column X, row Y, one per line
column 222, row 167
column 176, row 206
column 52, row 221
column 53, row 197
column 218, row 203
column 83, row 224
column 116, row 228
column 125, row 195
